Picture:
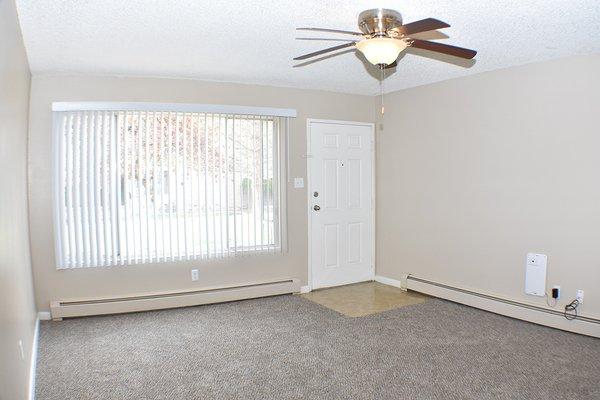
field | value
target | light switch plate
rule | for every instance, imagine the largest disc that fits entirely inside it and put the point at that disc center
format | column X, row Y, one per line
column 298, row 183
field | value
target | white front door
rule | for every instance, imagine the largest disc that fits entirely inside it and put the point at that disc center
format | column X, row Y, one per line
column 340, row 194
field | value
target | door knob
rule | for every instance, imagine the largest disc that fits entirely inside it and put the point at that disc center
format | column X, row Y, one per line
column 316, row 207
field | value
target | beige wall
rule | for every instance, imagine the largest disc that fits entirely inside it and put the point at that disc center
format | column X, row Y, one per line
column 53, row 285
column 473, row 173
column 17, row 308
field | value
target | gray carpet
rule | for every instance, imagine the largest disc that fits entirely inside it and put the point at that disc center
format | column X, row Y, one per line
column 287, row 347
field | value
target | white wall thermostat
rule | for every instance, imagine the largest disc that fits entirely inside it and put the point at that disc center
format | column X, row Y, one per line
column 535, row 274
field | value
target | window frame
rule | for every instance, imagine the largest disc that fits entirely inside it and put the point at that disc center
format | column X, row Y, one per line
column 280, row 173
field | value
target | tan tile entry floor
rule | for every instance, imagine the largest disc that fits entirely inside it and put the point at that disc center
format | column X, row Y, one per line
column 361, row 299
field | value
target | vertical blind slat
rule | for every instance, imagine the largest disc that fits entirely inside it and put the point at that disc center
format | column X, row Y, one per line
column 115, row 186
column 255, row 181
column 276, row 155
column 125, row 192
column 239, row 165
column 198, row 186
column 212, row 183
column 233, row 161
column 59, row 198
column 162, row 185
column 91, row 184
column 146, row 185
column 269, row 187
column 103, row 188
column 61, row 190
column 154, row 253
column 274, row 177
column 97, row 189
column 140, row 177
column 69, row 191
column 206, row 234
column 168, row 205
column 248, row 180
column 220, row 181
column 82, row 190
column 135, row 189
column 75, row 191
column 262, row 184
column 176, row 189
column 132, row 197
column 184, row 169
column 193, row 184
column 227, row 126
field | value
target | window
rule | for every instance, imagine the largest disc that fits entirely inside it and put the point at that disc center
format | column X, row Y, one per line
column 137, row 185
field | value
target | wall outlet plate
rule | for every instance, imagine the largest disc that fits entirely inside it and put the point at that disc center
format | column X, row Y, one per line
column 195, row 275
column 579, row 296
column 298, row 183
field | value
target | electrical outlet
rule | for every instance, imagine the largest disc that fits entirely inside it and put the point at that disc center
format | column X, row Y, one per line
column 195, row 275
column 579, row 296
column 21, row 350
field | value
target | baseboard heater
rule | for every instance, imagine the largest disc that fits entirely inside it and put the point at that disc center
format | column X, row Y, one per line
column 529, row 312
column 161, row 300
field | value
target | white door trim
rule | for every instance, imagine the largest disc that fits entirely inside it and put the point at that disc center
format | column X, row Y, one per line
column 308, row 194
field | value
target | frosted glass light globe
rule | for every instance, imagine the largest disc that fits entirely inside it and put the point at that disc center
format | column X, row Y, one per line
column 381, row 50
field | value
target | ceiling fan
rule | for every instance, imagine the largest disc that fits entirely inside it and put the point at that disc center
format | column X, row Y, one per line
column 383, row 37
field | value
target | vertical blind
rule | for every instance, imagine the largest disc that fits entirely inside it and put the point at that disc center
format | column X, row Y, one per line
column 155, row 186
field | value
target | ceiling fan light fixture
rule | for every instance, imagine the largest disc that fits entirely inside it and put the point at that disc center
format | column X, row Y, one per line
column 382, row 50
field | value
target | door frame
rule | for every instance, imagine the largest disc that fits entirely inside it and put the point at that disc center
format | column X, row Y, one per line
column 308, row 157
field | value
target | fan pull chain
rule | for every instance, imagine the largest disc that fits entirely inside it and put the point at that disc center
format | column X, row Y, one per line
column 382, row 67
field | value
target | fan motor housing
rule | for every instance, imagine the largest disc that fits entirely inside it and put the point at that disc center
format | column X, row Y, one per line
column 378, row 21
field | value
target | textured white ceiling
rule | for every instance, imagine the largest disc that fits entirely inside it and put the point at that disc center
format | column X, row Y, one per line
column 253, row 41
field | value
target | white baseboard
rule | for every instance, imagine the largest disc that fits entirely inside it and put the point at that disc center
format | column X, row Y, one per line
column 388, row 281
column 171, row 299
column 44, row 316
column 33, row 361
column 504, row 306
column 305, row 289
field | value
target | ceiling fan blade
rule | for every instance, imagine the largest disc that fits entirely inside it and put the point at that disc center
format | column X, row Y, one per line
column 326, row 39
column 424, row 25
column 329, row 30
column 316, row 53
column 443, row 48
